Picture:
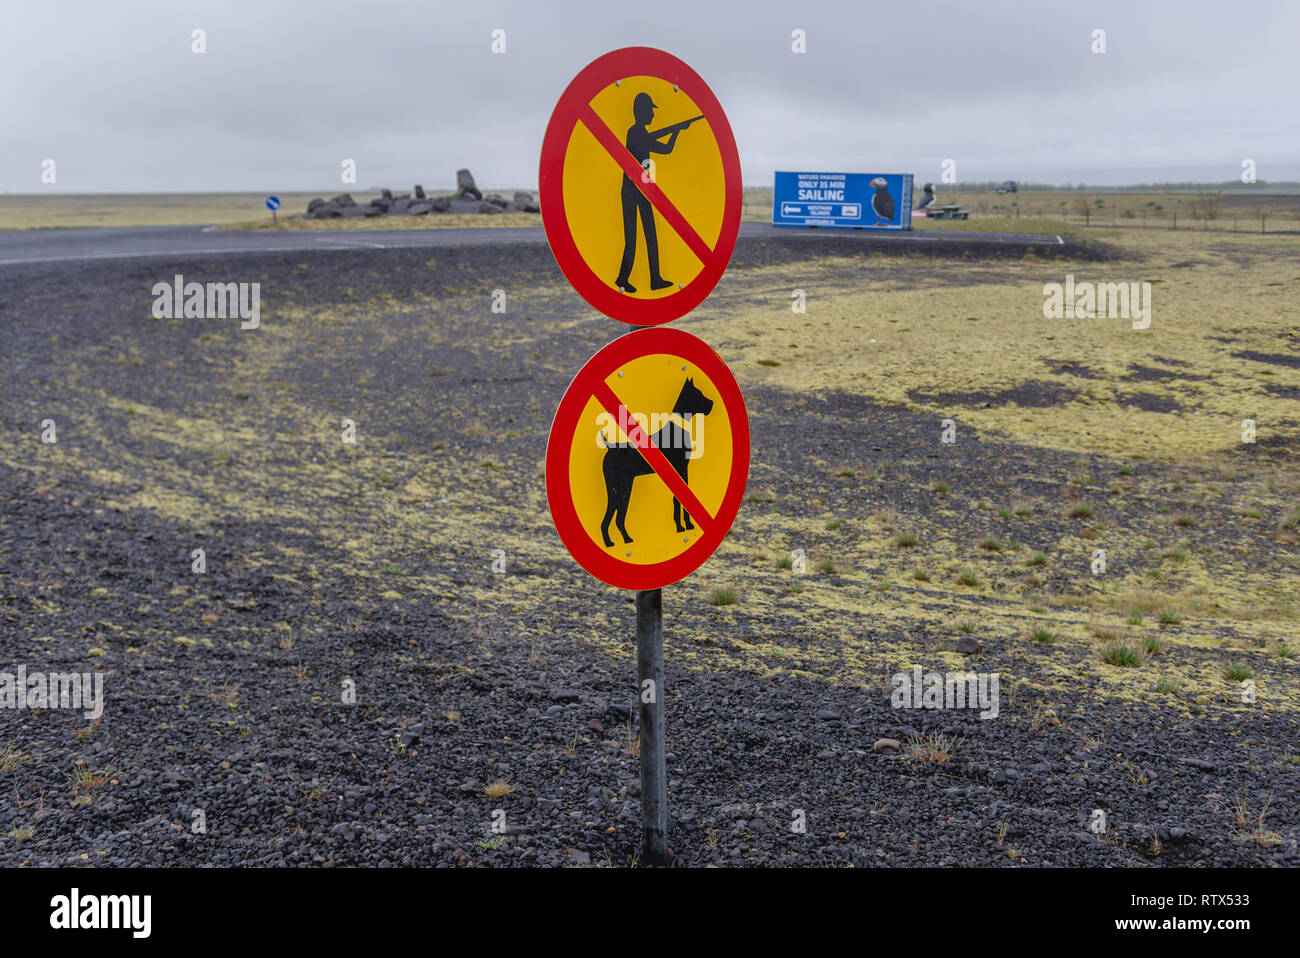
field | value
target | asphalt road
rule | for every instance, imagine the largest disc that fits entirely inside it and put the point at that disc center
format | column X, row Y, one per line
column 69, row 245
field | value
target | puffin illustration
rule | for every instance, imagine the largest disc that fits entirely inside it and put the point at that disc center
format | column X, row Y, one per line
column 882, row 202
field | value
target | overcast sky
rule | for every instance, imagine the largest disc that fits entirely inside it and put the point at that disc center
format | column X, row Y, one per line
column 411, row 91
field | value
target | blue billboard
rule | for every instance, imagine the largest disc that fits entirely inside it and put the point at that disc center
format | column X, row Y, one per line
column 866, row 201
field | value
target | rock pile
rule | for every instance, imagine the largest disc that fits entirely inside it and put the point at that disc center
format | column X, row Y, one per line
column 467, row 199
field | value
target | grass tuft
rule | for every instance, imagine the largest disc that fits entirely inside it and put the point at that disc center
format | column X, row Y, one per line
column 723, row 596
column 933, row 748
column 12, row 757
column 85, row 777
column 1122, row 655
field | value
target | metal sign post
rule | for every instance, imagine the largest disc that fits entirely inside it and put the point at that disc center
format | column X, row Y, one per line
column 650, row 685
column 654, row 769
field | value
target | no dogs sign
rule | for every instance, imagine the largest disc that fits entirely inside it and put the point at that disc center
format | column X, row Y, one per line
column 647, row 459
column 640, row 186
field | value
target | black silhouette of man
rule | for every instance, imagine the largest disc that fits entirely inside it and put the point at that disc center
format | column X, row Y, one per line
column 641, row 142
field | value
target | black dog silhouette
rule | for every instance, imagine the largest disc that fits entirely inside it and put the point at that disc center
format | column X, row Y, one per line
column 624, row 462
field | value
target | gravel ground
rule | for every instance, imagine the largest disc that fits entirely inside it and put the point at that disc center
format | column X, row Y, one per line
column 506, row 700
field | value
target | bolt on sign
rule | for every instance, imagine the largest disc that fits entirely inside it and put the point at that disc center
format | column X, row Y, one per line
column 648, row 458
column 640, row 186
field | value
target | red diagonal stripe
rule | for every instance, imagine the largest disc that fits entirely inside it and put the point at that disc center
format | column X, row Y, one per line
column 615, row 148
column 653, row 457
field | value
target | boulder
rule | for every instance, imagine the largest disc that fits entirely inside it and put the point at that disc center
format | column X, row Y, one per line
column 487, row 206
column 419, row 207
column 381, row 203
column 314, row 204
column 386, row 193
column 468, row 205
column 441, row 204
column 399, row 206
column 325, row 212
column 498, row 199
column 343, row 200
column 465, row 185
column 356, row 211
column 419, row 192
column 522, row 198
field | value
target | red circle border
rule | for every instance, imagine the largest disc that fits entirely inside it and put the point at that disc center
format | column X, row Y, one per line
column 597, row 291
column 595, row 559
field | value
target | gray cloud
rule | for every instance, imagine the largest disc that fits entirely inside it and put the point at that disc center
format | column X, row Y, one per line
column 411, row 91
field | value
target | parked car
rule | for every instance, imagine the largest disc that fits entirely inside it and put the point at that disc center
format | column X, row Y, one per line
column 1008, row 187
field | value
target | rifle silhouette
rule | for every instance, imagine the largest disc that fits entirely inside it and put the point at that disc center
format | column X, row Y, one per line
column 657, row 134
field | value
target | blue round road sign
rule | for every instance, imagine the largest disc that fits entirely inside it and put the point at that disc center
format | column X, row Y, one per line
column 273, row 203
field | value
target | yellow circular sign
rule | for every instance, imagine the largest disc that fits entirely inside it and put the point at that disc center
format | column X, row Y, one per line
column 606, row 207
column 622, row 504
column 648, row 457
column 640, row 186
